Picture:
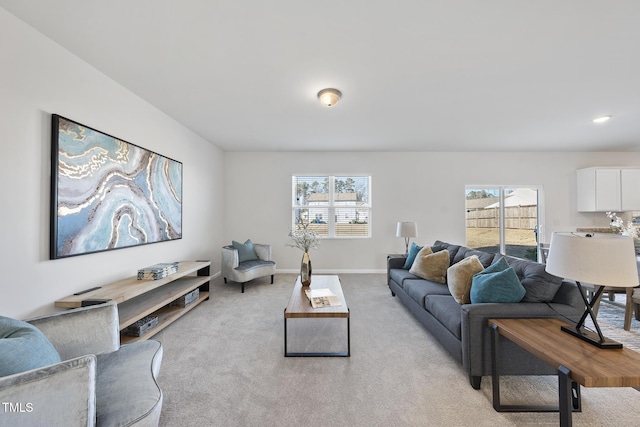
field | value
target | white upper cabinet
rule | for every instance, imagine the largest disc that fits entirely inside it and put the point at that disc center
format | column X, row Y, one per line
column 630, row 189
column 608, row 189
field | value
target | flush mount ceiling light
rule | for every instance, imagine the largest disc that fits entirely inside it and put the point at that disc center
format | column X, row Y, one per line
column 601, row 119
column 329, row 97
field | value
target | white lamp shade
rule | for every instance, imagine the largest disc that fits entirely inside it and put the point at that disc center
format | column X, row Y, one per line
column 407, row 229
column 603, row 259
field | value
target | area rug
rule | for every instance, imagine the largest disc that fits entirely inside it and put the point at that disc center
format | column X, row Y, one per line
column 223, row 365
column 611, row 321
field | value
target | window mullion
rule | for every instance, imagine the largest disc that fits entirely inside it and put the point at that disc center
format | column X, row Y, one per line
column 331, row 221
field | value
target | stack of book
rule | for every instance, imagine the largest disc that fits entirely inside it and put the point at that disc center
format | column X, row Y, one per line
column 158, row 271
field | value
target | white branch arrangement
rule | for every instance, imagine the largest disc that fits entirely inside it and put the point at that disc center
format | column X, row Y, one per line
column 303, row 238
column 629, row 229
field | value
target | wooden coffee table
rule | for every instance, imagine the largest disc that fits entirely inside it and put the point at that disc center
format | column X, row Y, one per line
column 299, row 307
column 577, row 362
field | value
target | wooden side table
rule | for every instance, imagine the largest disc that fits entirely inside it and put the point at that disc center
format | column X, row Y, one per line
column 577, row 362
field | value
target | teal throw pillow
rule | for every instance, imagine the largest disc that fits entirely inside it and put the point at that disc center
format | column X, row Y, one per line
column 23, row 347
column 246, row 251
column 499, row 265
column 496, row 286
column 413, row 251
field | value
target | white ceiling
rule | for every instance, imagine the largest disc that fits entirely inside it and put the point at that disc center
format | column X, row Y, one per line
column 416, row 75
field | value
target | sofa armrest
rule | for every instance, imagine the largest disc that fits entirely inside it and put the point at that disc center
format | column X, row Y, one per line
column 80, row 331
column 230, row 258
column 476, row 334
column 395, row 261
column 263, row 251
column 62, row 394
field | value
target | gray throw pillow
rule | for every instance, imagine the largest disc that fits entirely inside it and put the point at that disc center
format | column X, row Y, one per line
column 23, row 347
column 246, row 251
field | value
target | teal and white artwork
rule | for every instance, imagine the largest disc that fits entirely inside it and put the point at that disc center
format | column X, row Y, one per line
column 108, row 193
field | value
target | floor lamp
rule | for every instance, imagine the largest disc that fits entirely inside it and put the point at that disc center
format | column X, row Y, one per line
column 599, row 259
column 407, row 229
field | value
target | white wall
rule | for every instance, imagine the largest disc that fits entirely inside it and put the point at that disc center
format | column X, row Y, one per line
column 226, row 195
column 38, row 78
column 423, row 187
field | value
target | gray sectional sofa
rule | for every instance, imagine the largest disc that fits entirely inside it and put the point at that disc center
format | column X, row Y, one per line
column 462, row 329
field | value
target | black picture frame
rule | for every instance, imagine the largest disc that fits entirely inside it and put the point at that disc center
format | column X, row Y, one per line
column 109, row 194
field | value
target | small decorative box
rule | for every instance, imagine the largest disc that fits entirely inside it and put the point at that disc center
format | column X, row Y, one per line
column 142, row 326
column 187, row 299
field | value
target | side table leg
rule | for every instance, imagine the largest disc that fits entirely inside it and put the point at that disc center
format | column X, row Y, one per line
column 566, row 396
column 495, row 376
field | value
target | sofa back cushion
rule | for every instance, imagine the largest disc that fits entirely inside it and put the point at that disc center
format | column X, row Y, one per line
column 540, row 285
column 485, row 258
column 452, row 249
column 431, row 266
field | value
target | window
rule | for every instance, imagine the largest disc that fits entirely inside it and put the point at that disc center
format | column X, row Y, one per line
column 334, row 206
column 504, row 219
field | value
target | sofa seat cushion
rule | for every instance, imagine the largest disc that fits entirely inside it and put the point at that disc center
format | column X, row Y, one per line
column 23, row 347
column 540, row 285
column 399, row 275
column 245, row 266
column 127, row 393
column 447, row 311
column 417, row 289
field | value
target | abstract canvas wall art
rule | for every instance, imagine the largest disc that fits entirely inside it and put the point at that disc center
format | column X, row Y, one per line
column 109, row 194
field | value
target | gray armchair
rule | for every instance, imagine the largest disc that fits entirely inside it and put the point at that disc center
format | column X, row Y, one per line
column 244, row 271
column 97, row 383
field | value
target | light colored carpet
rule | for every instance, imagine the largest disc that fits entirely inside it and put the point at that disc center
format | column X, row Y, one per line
column 224, row 366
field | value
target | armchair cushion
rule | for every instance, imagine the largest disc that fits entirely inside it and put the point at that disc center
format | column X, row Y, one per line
column 246, row 251
column 140, row 402
column 23, row 347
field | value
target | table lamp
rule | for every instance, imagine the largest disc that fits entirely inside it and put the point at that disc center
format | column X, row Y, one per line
column 407, row 229
column 599, row 259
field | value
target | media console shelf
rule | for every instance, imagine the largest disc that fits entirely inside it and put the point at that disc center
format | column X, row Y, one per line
column 139, row 298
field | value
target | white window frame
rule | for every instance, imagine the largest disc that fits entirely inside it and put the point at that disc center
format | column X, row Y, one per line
column 501, row 188
column 332, row 207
